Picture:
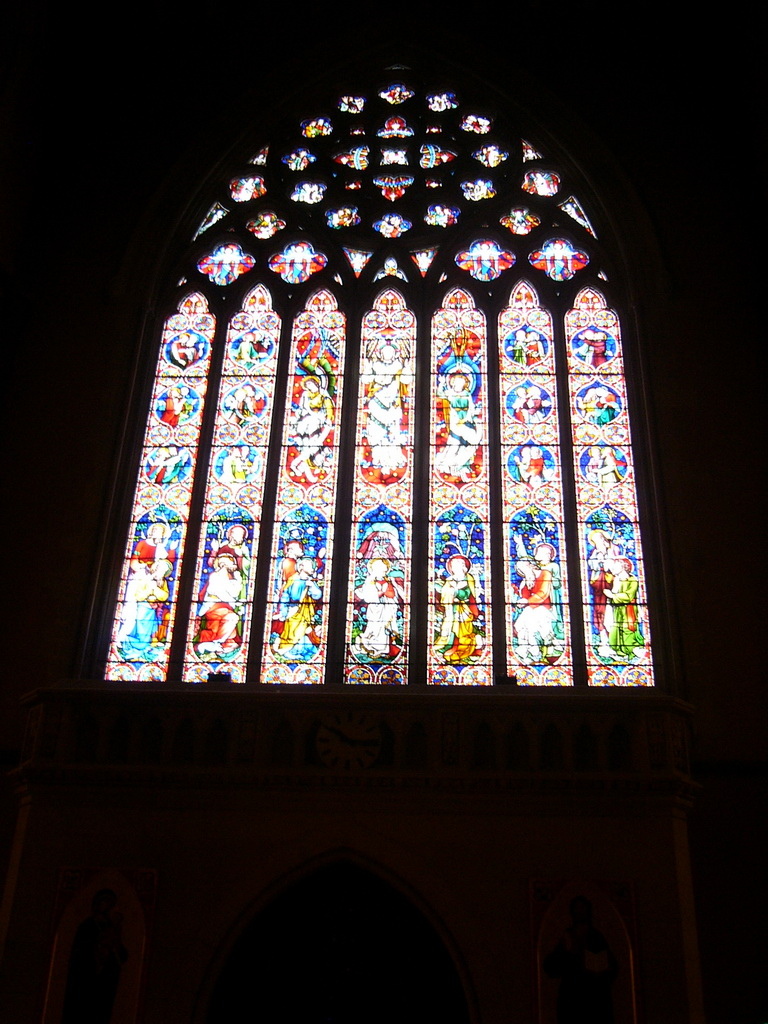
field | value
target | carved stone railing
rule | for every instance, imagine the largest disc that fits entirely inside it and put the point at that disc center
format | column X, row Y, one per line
column 503, row 737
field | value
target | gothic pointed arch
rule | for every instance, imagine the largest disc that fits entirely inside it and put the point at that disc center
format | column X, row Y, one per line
column 389, row 435
column 366, row 950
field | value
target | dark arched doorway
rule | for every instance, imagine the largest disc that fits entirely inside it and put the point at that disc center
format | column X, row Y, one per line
column 336, row 948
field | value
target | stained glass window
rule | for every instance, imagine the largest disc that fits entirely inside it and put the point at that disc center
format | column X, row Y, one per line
column 415, row 461
column 382, row 506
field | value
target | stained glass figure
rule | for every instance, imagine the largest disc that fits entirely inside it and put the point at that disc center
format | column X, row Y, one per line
column 261, row 157
column 397, row 93
column 392, row 225
column 433, row 183
column 558, row 259
column 302, row 547
column 214, row 215
column 220, row 619
column 393, row 186
column 344, row 217
column 535, row 583
column 440, row 101
column 520, row 220
column 309, row 192
column 490, row 156
column 433, row 156
column 477, row 190
column 442, row 216
column 265, row 224
column 243, row 190
column 356, row 157
column 423, row 259
column 572, row 207
column 395, row 128
column 485, row 260
column 459, row 639
column 352, row 104
column 226, row 263
column 298, row 160
column 394, row 156
column 353, row 185
column 382, row 512
column 390, row 269
column 530, row 152
column 316, row 127
column 297, row 262
column 146, row 609
column 475, row 123
column 541, row 183
column 357, row 259
column 613, row 576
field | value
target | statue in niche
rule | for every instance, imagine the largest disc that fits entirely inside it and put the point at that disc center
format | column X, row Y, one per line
column 95, row 963
column 586, row 967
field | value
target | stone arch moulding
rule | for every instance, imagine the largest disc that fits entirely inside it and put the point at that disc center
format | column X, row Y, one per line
column 341, row 877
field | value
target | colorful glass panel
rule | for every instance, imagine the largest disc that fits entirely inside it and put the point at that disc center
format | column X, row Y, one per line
column 298, row 160
column 352, row 104
column 344, row 217
column 572, row 207
column 440, row 101
column 613, row 575
column 459, row 635
column 357, row 157
column 214, row 215
column 382, row 509
column 442, row 216
column 397, row 93
column 226, row 263
column 520, row 221
column 490, row 156
column 146, row 609
column 433, row 156
column 309, row 192
column 265, row 225
column 261, row 157
column 475, row 123
column 295, row 637
column 390, row 269
column 315, row 127
column 394, row 156
column 541, row 183
column 395, row 128
column 558, row 259
column 393, row 186
column 477, row 190
column 243, row 190
column 423, row 259
column 357, row 259
column 220, row 622
column 538, row 646
column 297, row 262
column 484, row 260
column 392, row 225
column 529, row 152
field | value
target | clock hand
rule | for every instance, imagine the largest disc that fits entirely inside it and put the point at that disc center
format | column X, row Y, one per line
column 348, row 739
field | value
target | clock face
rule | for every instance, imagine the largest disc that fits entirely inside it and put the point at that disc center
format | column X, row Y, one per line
column 348, row 740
